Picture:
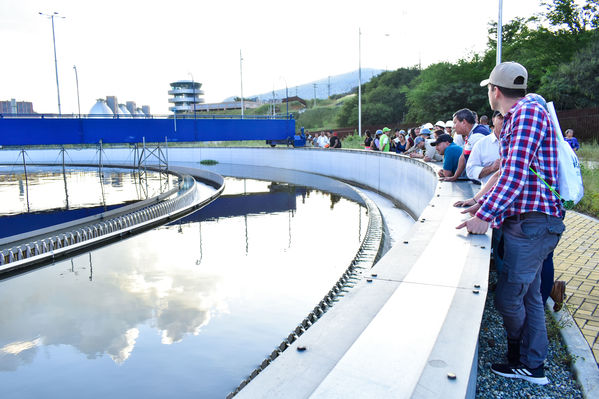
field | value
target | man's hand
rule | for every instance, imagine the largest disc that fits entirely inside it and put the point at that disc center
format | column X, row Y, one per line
column 472, row 210
column 490, row 169
column 450, row 178
column 475, row 226
column 464, row 203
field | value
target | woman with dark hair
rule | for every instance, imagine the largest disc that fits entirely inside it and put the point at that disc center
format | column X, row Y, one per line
column 401, row 144
column 368, row 140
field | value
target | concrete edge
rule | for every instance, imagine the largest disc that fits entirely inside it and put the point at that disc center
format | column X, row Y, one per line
column 583, row 365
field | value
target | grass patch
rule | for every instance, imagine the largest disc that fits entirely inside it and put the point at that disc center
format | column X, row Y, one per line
column 208, row 162
column 590, row 178
column 588, row 151
column 589, row 204
column 353, row 141
column 554, row 327
column 319, row 118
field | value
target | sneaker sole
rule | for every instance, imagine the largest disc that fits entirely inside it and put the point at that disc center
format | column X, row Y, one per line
column 534, row 380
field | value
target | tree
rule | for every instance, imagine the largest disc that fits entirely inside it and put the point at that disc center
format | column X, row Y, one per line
column 575, row 84
column 348, row 115
column 540, row 49
column 383, row 99
column 568, row 13
column 443, row 88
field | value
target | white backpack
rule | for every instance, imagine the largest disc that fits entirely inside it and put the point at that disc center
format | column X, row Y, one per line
column 570, row 187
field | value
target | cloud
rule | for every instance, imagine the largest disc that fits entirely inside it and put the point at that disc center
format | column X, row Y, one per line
column 134, row 283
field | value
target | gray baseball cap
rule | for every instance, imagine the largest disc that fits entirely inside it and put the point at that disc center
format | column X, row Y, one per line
column 509, row 75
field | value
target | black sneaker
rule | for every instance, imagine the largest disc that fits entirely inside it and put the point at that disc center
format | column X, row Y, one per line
column 536, row 376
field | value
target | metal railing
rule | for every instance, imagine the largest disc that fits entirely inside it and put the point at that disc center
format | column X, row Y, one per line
column 56, row 245
column 198, row 115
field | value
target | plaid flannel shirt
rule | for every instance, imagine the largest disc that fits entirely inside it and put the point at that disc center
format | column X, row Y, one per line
column 527, row 138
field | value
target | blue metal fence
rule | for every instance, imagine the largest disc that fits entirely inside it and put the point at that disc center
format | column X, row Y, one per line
column 19, row 131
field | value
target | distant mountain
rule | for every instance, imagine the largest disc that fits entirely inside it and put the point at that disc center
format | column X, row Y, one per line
column 326, row 87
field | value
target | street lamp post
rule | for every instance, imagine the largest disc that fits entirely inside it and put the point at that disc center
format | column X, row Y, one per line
column 499, row 31
column 241, row 80
column 286, row 95
column 77, row 84
column 51, row 16
column 193, row 90
column 388, row 36
column 359, row 82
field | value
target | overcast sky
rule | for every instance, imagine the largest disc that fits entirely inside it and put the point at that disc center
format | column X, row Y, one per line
column 133, row 49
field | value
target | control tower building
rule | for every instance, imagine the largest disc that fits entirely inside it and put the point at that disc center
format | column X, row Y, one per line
column 185, row 96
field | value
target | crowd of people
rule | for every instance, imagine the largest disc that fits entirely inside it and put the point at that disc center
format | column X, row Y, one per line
column 323, row 139
column 505, row 154
column 513, row 157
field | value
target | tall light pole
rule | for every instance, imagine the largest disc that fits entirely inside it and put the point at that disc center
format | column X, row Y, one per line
column 359, row 82
column 77, row 84
column 286, row 95
column 51, row 16
column 193, row 90
column 499, row 31
column 388, row 36
column 241, row 80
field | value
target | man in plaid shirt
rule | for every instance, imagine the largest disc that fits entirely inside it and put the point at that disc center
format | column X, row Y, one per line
column 527, row 212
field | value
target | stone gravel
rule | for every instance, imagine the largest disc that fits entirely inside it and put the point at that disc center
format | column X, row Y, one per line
column 492, row 347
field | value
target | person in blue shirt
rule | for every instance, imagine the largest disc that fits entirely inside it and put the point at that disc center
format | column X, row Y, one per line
column 570, row 139
column 451, row 154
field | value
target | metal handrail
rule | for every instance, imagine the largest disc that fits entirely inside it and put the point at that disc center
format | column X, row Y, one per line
column 197, row 115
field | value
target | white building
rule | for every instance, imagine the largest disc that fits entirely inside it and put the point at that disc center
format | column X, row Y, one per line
column 100, row 110
column 185, row 96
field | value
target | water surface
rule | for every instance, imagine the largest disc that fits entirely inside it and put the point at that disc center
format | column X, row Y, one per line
column 185, row 310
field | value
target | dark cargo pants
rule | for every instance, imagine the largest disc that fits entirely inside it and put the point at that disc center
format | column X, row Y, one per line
column 528, row 239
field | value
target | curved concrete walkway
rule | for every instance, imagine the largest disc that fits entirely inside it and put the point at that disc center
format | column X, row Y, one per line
column 577, row 263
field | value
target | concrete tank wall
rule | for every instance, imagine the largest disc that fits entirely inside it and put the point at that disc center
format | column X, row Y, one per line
column 409, row 328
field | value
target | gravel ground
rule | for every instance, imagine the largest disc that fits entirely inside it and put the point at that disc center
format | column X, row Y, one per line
column 492, row 347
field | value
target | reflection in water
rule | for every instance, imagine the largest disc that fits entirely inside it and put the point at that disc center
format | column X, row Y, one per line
column 57, row 195
column 45, row 188
column 188, row 308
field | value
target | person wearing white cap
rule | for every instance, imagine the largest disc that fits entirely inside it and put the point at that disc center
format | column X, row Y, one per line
column 528, row 214
column 440, row 125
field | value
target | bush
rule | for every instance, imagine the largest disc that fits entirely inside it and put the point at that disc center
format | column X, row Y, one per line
column 590, row 202
column 353, row 141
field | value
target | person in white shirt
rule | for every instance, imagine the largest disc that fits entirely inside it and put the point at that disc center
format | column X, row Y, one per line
column 484, row 159
column 323, row 140
column 464, row 123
